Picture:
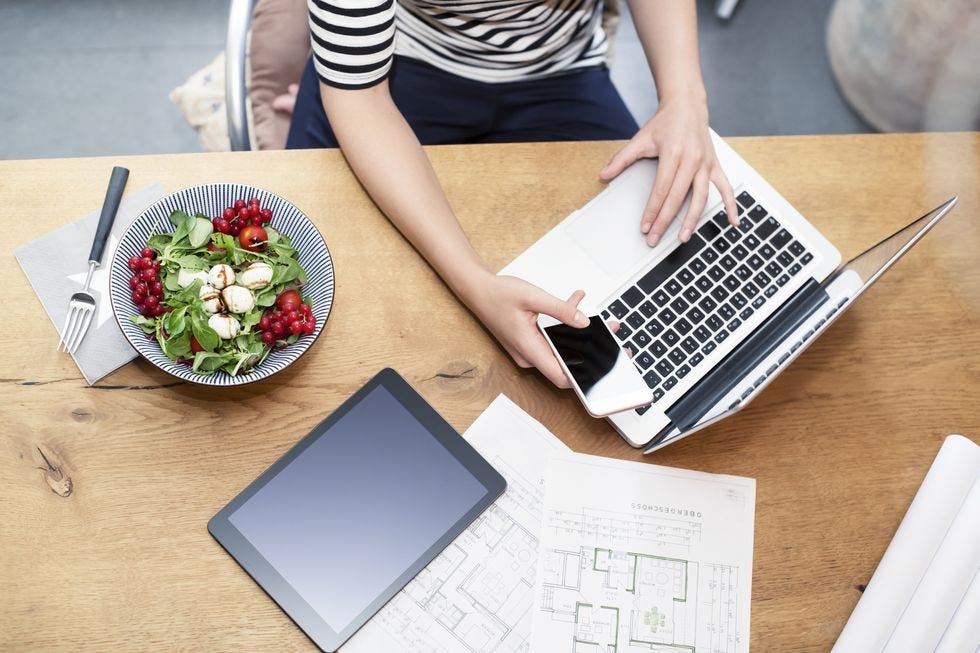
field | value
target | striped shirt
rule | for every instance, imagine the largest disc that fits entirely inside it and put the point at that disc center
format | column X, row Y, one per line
column 491, row 41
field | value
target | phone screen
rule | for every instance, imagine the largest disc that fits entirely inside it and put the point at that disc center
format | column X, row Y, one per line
column 600, row 367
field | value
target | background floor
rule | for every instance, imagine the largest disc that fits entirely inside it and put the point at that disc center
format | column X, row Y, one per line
column 91, row 77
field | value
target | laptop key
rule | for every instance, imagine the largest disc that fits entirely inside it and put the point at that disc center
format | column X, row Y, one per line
column 635, row 320
column 695, row 315
column 727, row 262
column 689, row 344
column 716, row 274
column 669, row 383
column 709, row 255
column 670, row 337
column 770, row 291
column 739, row 252
column 654, row 328
column 623, row 332
column 721, row 336
column 652, row 380
column 780, row 239
column 695, row 359
column 667, row 316
column 794, row 269
column 672, row 287
column 746, row 313
column 766, row 251
column 642, row 409
column 631, row 348
column 745, row 226
column 785, row 258
column 644, row 360
column 731, row 282
column 679, row 305
column 658, row 349
column 682, row 371
column 743, row 272
column 806, row 258
column 720, row 219
column 709, row 347
column 632, row 297
column 750, row 290
column 709, row 230
column 758, row 301
column 683, row 326
column 707, row 304
column 755, row 261
column 796, row 248
column 722, row 245
column 745, row 200
column 773, row 269
column 673, row 262
column 782, row 280
column 618, row 309
column 719, row 293
column 762, row 279
column 605, row 315
column 658, row 394
column 738, row 300
column 766, row 228
column 697, row 266
column 660, row 297
column 664, row 367
column 677, row 356
column 691, row 294
column 641, row 339
column 648, row 309
column 733, row 234
column 702, row 333
column 750, row 241
column 685, row 276
column 758, row 214
column 714, row 323
column 734, row 324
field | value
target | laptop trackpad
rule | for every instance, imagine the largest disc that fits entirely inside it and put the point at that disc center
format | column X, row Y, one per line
column 608, row 227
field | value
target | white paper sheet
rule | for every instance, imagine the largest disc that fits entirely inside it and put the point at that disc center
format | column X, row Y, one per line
column 925, row 587
column 638, row 558
column 476, row 597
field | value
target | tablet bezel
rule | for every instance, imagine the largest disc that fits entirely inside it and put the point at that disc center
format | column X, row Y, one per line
column 278, row 589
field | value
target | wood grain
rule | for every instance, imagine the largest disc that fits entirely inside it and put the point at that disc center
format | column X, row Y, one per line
column 105, row 491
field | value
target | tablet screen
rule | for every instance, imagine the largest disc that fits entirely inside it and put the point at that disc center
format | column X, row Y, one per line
column 357, row 507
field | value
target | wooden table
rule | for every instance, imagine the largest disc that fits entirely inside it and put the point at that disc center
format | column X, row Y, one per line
column 838, row 444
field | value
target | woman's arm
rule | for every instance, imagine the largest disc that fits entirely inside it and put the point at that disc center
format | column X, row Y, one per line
column 678, row 134
column 384, row 153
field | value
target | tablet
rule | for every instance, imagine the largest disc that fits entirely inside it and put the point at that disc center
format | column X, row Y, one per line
column 356, row 509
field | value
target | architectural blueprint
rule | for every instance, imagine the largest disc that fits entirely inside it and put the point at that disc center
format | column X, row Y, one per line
column 637, row 558
column 477, row 596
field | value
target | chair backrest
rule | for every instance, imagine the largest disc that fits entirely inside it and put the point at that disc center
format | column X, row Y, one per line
column 236, row 87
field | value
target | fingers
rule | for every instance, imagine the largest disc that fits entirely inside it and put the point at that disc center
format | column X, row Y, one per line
column 699, row 197
column 675, row 197
column 539, row 354
column 625, row 157
column 567, row 311
column 720, row 180
column 666, row 170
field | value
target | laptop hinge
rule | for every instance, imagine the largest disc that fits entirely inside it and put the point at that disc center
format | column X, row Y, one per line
column 697, row 401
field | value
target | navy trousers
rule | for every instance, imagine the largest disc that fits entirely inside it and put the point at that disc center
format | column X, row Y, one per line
column 444, row 108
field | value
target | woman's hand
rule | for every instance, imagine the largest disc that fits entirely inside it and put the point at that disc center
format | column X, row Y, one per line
column 509, row 308
column 678, row 136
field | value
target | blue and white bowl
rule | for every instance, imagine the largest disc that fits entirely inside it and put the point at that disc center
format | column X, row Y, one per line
column 211, row 200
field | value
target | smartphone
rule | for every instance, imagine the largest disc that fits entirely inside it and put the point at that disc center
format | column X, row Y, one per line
column 601, row 371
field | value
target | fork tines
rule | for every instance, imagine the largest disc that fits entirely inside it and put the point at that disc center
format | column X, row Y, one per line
column 76, row 324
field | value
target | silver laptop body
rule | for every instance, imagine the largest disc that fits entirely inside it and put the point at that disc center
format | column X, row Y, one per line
column 713, row 321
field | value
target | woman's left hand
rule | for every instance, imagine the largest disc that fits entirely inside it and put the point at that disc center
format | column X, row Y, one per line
column 678, row 136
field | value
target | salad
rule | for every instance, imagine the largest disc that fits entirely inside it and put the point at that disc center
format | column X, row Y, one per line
column 222, row 293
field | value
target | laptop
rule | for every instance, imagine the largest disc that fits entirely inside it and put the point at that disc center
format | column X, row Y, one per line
column 711, row 322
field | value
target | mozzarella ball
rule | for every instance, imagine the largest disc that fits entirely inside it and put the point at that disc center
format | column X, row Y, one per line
column 225, row 325
column 237, row 299
column 187, row 277
column 211, row 297
column 221, row 275
column 257, row 275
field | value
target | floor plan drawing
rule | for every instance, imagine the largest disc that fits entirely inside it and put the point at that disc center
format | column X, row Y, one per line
column 618, row 574
column 477, row 595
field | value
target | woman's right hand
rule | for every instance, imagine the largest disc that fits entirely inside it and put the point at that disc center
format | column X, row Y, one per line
column 509, row 308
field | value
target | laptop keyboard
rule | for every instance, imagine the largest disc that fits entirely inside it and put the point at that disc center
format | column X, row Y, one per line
column 688, row 304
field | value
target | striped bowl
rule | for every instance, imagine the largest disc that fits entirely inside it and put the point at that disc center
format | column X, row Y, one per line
column 211, row 199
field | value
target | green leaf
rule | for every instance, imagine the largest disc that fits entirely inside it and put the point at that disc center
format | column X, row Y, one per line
column 175, row 322
column 148, row 325
column 177, row 346
column 250, row 319
column 184, row 224
column 266, row 297
column 286, row 271
column 200, row 232
column 206, row 362
column 191, row 262
column 159, row 242
column 273, row 235
column 170, row 281
column 205, row 335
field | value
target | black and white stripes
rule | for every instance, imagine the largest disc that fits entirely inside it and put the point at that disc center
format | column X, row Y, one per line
column 492, row 41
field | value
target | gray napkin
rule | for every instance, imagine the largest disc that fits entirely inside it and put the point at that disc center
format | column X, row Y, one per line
column 56, row 264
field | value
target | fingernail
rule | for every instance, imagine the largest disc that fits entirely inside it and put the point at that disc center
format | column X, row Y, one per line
column 653, row 240
column 685, row 235
column 581, row 319
column 645, row 227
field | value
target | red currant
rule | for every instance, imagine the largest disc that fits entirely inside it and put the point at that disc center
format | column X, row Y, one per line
column 146, row 263
column 146, row 252
column 228, row 213
column 239, row 204
column 278, row 329
column 254, row 201
column 156, row 288
column 292, row 316
column 264, row 323
column 266, row 215
column 268, row 337
column 288, row 307
column 146, row 310
column 138, row 297
column 222, row 225
column 159, row 310
column 156, row 266
column 276, row 316
column 307, row 309
column 253, row 210
column 134, row 281
column 150, row 275
column 243, row 214
column 151, row 302
column 133, row 263
column 235, row 229
column 296, row 328
column 310, row 326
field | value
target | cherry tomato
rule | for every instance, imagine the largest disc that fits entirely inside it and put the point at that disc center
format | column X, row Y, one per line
column 253, row 238
column 288, row 297
column 214, row 248
column 195, row 345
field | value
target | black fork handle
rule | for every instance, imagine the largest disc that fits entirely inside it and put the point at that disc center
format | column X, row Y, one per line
column 113, row 194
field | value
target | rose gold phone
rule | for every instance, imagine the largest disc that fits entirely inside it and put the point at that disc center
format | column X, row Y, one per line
column 601, row 371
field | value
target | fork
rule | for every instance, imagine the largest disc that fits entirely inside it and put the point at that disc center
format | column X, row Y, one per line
column 81, row 306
